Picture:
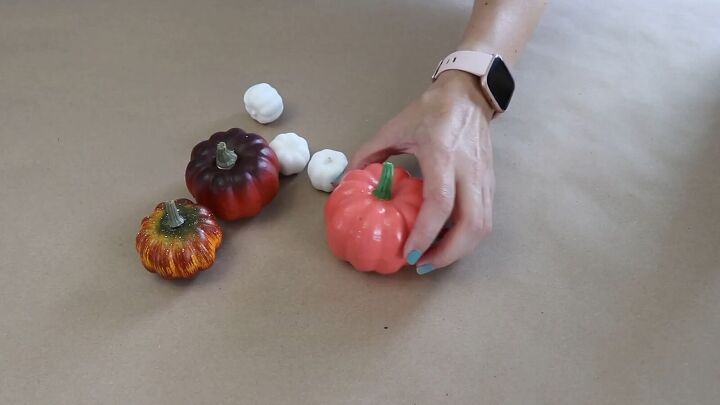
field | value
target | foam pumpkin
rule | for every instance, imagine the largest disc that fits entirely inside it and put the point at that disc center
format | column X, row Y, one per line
column 369, row 216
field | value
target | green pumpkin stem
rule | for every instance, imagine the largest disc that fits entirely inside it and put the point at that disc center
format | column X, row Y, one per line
column 174, row 219
column 384, row 189
column 225, row 158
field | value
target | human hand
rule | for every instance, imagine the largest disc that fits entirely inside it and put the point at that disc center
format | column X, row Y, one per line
column 447, row 129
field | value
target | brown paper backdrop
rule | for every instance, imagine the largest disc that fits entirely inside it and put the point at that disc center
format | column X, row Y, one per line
column 600, row 284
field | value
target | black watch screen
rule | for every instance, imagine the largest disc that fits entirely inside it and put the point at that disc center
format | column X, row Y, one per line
column 500, row 83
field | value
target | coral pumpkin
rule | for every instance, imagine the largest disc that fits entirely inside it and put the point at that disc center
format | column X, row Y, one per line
column 178, row 239
column 369, row 216
column 233, row 173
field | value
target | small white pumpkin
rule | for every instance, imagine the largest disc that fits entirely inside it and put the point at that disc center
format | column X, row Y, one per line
column 292, row 152
column 263, row 103
column 325, row 167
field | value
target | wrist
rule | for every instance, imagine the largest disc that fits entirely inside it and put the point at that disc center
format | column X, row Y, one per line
column 477, row 46
column 457, row 84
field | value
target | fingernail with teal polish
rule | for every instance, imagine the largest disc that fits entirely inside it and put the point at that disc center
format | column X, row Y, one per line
column 413, row 257
column 425, row 269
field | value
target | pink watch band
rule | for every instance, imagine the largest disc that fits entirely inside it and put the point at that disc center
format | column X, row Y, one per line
column 477, row 63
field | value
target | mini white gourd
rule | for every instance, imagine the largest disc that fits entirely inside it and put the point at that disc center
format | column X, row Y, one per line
column 292, row 152
column 263, row 103
column 325, row 167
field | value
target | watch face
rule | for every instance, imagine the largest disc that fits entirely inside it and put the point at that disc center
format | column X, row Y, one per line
column 500, row 83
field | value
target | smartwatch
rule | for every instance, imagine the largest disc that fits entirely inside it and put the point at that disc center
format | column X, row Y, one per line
column 496, row 81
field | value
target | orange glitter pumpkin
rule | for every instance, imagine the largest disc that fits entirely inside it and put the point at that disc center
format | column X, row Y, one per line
column 178, row 239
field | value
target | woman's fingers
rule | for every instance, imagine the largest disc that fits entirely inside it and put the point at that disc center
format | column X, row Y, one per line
column 438, row 202
column 378, row 149
column 374, row 151
column 474, row 204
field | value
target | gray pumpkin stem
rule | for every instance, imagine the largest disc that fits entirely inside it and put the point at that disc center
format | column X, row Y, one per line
column 225, row 158
column 174, row 218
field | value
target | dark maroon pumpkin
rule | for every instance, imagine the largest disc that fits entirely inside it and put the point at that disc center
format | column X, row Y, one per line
column 234, row 173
